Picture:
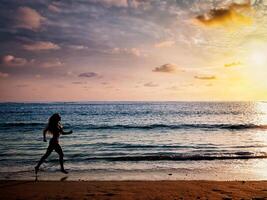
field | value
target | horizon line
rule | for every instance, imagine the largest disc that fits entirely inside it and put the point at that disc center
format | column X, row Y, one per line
column 134, row 101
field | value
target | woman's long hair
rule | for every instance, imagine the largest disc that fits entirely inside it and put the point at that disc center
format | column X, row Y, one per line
column 53, row 123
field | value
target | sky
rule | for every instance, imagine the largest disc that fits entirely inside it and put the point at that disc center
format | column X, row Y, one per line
column 133, row 50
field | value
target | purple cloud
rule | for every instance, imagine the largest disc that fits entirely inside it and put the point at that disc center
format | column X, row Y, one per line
column 88, row 75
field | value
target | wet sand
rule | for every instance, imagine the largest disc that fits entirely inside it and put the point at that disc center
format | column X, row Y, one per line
column 125, row 190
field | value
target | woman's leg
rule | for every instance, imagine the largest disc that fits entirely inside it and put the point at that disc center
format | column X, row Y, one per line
column 49, row 150
column 58, row 149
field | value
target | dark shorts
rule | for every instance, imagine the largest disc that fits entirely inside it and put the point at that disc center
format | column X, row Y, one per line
column 54, row 145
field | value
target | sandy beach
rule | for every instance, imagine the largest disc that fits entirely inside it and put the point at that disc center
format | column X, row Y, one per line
column 133, row 190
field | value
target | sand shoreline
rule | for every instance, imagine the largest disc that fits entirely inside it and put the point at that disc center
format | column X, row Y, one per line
column 133, row 190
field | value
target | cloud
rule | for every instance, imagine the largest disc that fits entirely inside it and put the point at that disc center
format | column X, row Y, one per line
column 22, row 85
column 78, row 47
column 167, row 68
column 233, row 64
column 3, row 75
column 205, row 77
column 10, row 60
column 54, row 8
column 41, row 45
column 69, row 73
column 151, row 84
column 126, row 51
column 51, row 64
column 117, row 3
column 120, row 3
column 28, row 18
column 78, row 82
column 229, row 16
column 89, row 75
column 173, row 88
column 164, row 44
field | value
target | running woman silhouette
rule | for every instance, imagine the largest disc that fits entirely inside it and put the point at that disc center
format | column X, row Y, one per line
column 55, row 128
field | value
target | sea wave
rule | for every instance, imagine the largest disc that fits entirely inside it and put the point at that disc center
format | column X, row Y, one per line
column 146, row 127
column 176, row 126
column 234, row 156
column 21, row 124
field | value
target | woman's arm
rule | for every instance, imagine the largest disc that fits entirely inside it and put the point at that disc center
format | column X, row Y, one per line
column 44, row 134
column 62, row 131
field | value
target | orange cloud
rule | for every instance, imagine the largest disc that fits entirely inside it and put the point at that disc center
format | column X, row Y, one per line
column 165, row 44
column 232, row 64
column 41, row 45
column 28, row 18
column 205, row 77
column 229, row 16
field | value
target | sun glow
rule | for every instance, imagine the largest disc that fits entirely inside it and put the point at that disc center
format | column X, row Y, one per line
column 258, row 58
column 245, row 77
column 256, row 63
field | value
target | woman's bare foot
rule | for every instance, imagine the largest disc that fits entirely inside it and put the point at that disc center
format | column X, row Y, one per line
column 64, row 171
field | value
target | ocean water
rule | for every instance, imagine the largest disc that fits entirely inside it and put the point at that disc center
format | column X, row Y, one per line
column 138, row 140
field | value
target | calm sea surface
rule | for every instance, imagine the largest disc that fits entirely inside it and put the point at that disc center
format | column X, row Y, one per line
column 138, row 140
